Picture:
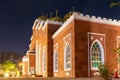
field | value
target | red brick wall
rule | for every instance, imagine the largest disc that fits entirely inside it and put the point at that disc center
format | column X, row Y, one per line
column 61, row 45
column 32, row 61
column 45, row 39
column 82, row 28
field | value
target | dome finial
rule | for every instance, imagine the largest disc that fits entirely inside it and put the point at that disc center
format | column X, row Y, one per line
column 50, row 14
column 42, row 13
column 46, row 16
column 73, row 8
column 56, row 13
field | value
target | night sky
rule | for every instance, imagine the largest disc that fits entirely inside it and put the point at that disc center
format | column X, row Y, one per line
column 17, row 17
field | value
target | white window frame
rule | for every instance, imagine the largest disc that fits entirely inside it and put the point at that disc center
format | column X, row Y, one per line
column 44, row 60
column 65, row 63
column 55, row 53
column 102, row 53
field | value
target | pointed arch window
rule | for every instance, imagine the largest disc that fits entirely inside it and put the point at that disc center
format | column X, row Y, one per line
column 44, row 60
column 55, row 61
column 97, row 54
column 67, row 57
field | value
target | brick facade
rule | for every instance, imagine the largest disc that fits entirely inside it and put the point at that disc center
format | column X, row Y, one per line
column 79, row 33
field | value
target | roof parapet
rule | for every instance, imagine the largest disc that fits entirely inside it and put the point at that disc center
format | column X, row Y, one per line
column 51, row 22
column 97, row 19
column 87, row 18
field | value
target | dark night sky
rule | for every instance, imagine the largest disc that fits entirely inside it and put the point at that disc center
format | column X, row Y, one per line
column 17, row 17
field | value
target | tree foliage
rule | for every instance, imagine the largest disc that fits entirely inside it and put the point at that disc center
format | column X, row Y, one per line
column 104, row 71
column 117, row 51
column 112, row 4
column 8, row 66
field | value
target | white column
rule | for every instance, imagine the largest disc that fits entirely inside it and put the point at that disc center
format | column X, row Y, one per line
column 40, row 47
column 37, row 57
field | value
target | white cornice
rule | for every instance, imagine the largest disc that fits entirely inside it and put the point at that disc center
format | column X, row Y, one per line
column 31, row 38
column 55, row 22
column 30, row 45
column 97, row 19
column 39, row 21
column 25, row 58
column 37, row 26
column 51, row 22
column 89, row 18
column 44, row 25
column 63, row 26
column 34, row 25
column 41, row 24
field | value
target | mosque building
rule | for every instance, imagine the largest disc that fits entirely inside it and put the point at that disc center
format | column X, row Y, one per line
column 72, row 48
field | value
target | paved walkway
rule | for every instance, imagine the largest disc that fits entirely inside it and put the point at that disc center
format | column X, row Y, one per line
column 38, row 78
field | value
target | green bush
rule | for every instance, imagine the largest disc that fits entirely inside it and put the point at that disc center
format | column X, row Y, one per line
column 104, row 71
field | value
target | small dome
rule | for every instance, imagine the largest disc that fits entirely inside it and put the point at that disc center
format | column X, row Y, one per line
column 25, row 58
column 41, row 18
column 56, row 19
column 68, row 15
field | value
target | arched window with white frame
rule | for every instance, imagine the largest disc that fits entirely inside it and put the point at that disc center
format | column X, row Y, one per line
column 97, row 54
column 55, row 61
column 44, row 60
column 67, row 57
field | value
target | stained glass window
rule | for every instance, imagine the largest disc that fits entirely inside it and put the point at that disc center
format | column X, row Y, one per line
column 55, row 60
column 67, row 55
column 44, row 60
column 96, row 55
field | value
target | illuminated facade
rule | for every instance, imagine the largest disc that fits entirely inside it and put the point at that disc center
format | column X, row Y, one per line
column 74, row 48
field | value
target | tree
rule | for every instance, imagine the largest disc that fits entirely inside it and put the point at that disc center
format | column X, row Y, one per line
column 10, row 69
column 104, row 71
column 8, row 65
column 112, row 4
column 117, row 51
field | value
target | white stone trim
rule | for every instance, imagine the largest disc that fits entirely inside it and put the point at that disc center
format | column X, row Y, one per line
column 40, row 52
column 102, row 52
column 51, row 22
column 55, row 22
column 25, row 58
column 41, row 24
column 31, row 37
column 55, row 48
column 88, row 57
column 89, row 48
column 44, row 25
column 67, row 74
column 63, row 26
column 34, row 25
column 67, row 36
column 97, row 19
column 37, row 57
column 37, row 26
column 44, row 53
column 96, row 33
column 28, row 65
column 67, row 43
column 54, row 58
column 55, row 45
column 117, row 40
column 30, row 45
column 87, row 18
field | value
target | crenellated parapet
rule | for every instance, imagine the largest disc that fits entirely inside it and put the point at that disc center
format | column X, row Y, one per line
column 98, row 19
column 79, row 16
